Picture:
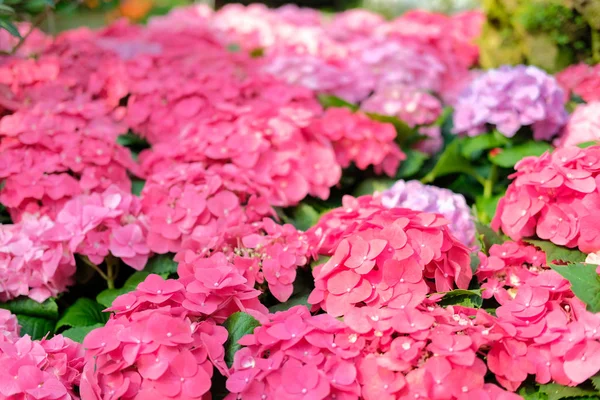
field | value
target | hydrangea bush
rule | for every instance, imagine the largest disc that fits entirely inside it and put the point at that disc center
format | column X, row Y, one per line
column 256, row 203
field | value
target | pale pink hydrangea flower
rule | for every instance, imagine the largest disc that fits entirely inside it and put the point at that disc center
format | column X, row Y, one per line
column 35, row 260
column 583, row 126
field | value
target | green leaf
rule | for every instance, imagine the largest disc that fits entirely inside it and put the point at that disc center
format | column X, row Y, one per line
column 475, row 262
column 471, row 147
column 26, row 306
column 585, row 283
column 35, row 327
column 161, row 264
column 298, row 300
column 137, row 185
column 79, row 333
column 237, row 325
column 596, row 381
column 84, row 312
column 462, row 297
column 531, row 392
column 10, row 27
column 304, row 216
column 370, row 186
column 486, row 236
column 587, row 144
column 558, row 392
column 328, row 101
column 555, row 253
column 132, row 140
column 412, row 165
column 508, row 157
column 6, row 10
column 451, row 161
column 486, row 207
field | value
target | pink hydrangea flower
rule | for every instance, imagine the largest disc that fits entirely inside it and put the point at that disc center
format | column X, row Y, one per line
column 35, row 260
column 41, row 370
column 264, row 252
column 510, row 98
column 152, row 353
column 582, row 80
column 9, row 326
column 384, row 258
column 582, row 126
column 103, row 223
column 56, row 150
column 452, row 206
column 553, row 197
column 357, row 138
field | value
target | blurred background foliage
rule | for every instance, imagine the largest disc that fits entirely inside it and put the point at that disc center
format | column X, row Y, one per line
column 551, row 34
column 548, row 33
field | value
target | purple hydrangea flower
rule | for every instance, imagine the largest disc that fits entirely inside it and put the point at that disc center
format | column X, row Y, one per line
column 509, row 98
column 417, row 196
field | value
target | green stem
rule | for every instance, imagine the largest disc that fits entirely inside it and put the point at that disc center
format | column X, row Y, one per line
column 488, row 187
column 112, row 270
column 35, row 24
column 595, row 45
column 94, row 267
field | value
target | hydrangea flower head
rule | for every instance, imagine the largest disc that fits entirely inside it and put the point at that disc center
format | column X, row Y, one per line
column 582, row 80
column 431, row 199
column 553, row 196
column 583, row 125
column 49, row 369
column 385, row 259
column 357, row 138
column 510, row 98
column 35, row 258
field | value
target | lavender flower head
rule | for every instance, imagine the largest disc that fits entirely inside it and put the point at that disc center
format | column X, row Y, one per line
column 417, row 196
column 509, row 98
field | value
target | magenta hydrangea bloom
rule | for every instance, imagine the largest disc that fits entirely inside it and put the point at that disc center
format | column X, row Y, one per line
column 583, row 125
column 555, row 197
column 510, row 98
column 432, row 199
column 379, row 255
column 360, row 140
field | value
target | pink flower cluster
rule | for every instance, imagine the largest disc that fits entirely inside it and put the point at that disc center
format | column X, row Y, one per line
column 582, row 80
column 542, row 329
column 555, row 197
column 383, row 259
column 360, row 140
column 35, row 260
column 189, row 201
column 105, row 223
column 9, row 326
column 53, row 151
column 415, row 107
column 510, row 98
column 49, row 369
column 431, row 199
column 264, row 252
column 425, row 352
column 357, row 51
column 583, row 125
column 164, row 338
